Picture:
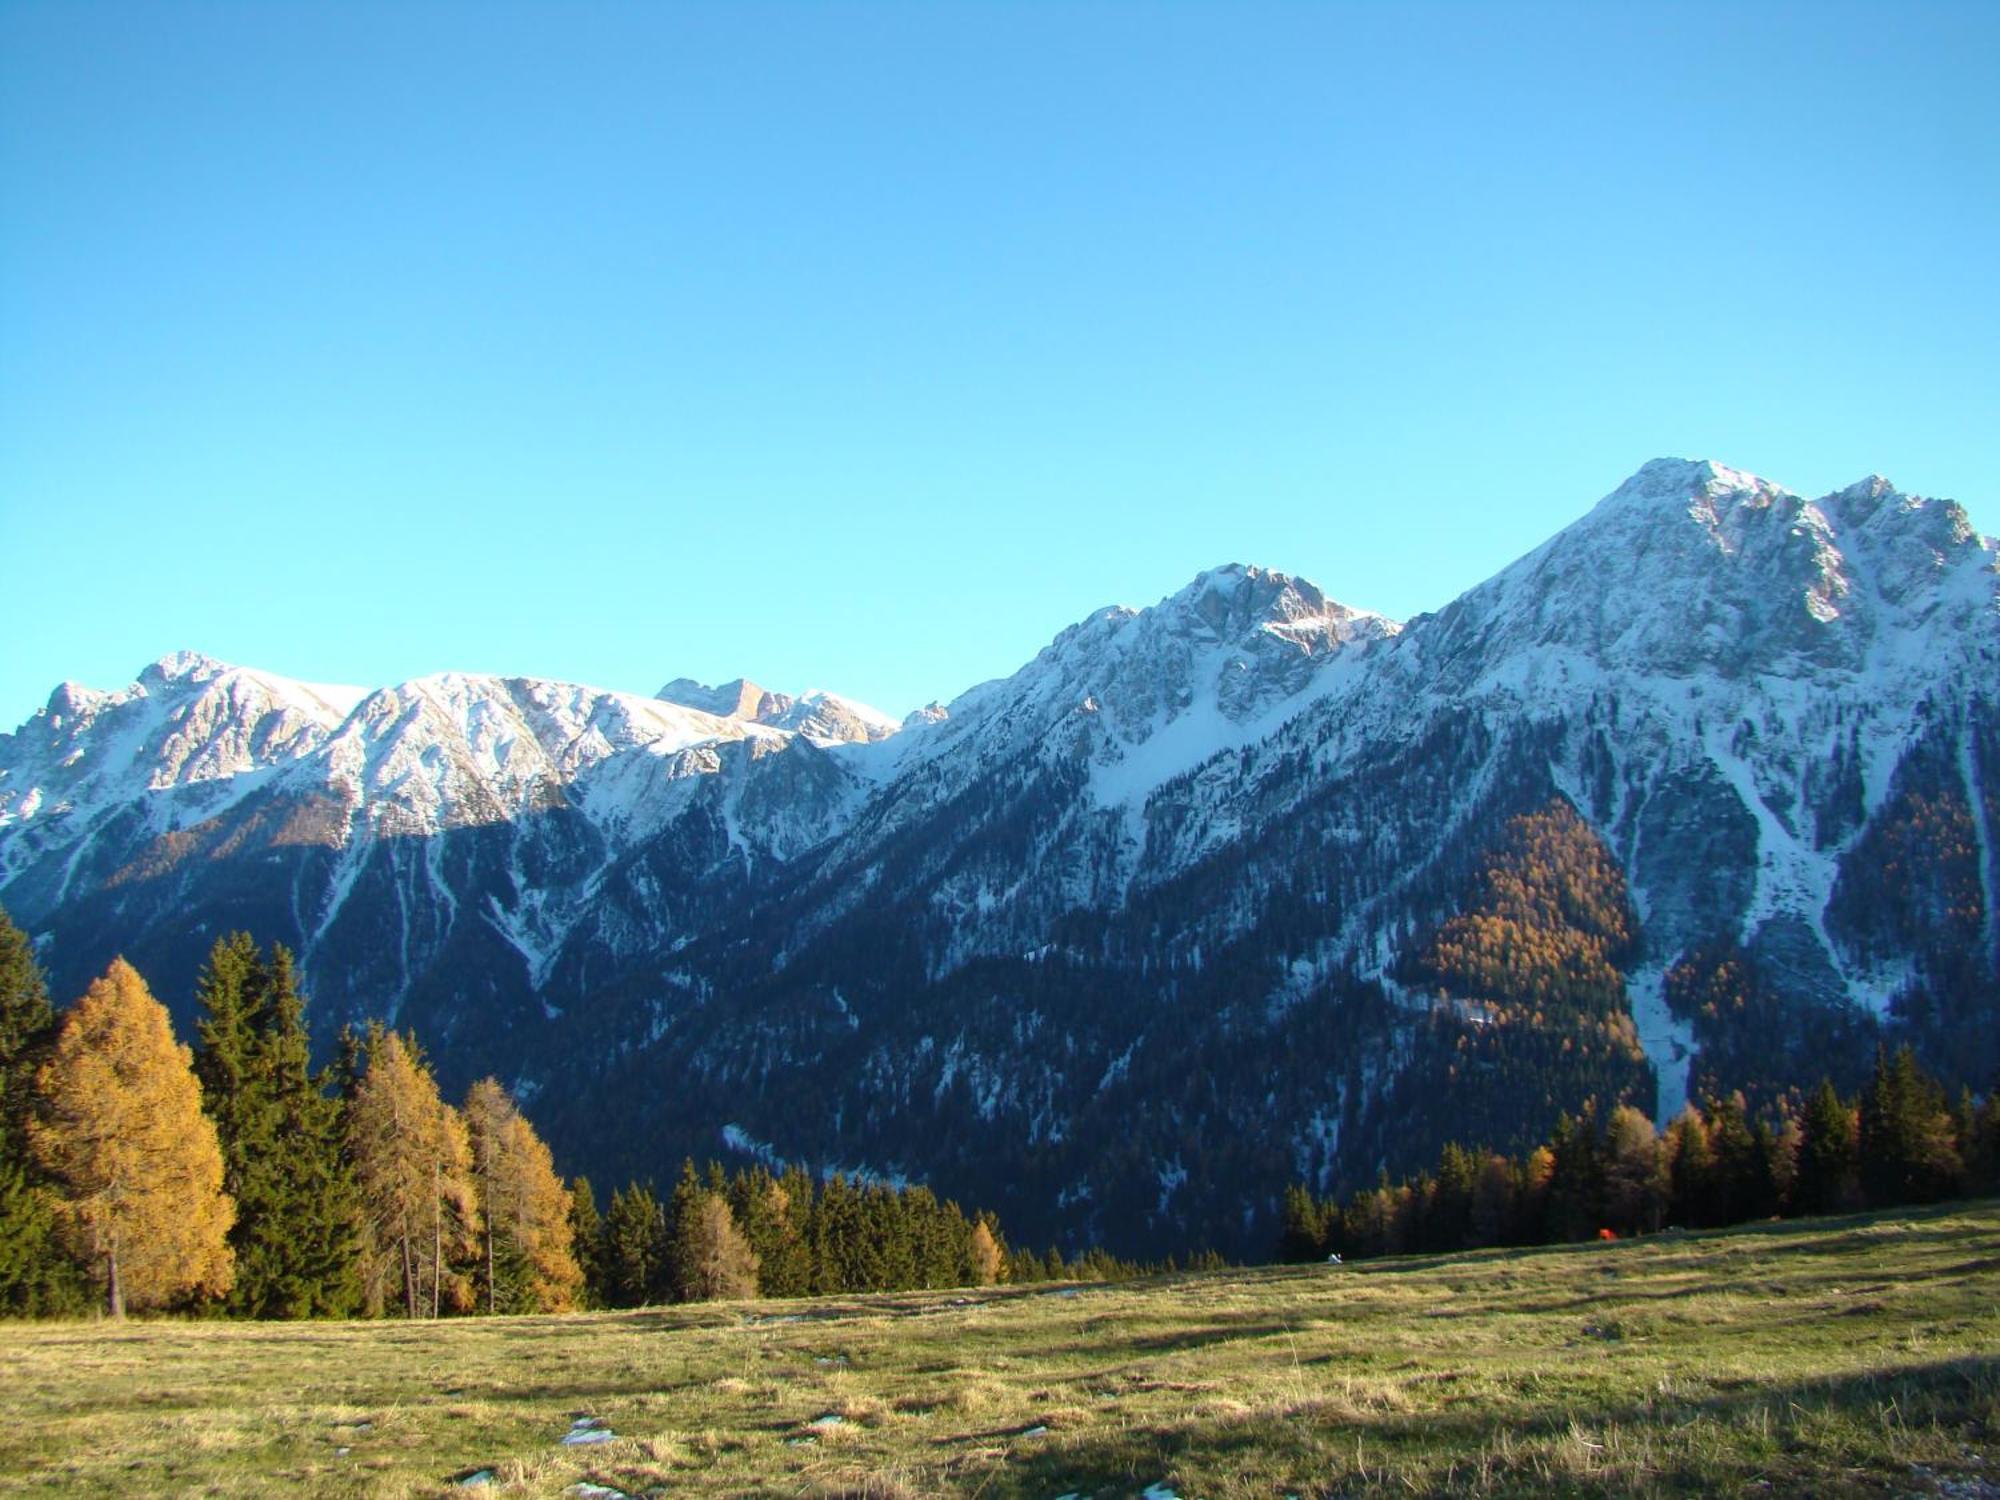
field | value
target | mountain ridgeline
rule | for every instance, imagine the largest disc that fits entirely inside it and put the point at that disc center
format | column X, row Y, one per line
column 1243, row 890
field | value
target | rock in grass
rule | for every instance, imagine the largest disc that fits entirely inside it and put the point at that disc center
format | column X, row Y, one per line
column 587, row 1430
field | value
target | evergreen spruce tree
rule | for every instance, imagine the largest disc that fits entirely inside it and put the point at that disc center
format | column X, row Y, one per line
column 297, row 1233
column 837, row 1231
column 229, row 989
column 1905, row 1135
column 1965, row 1139
column 27, row 1025
column 1493, row 1195
column 1302, row 1226
column 762, row 1206
column 586, row 1237
column 318, row 1273
column 38, row 1276
column 786, row 1269
column 1691, row 1170
column 1025, row 1267
column 118, row 1122
column 634, row 1247
column 682, row 1208
column 1448, row 1216
column 941, row 1240
column 842, row 1224
column 1742, row 1172
column 1576, row 1182
column 889, row 1239
column 1827, row 1181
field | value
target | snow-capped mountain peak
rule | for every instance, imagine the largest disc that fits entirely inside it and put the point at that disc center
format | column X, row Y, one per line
column 738, row 698
column 822, row 717
column 1141, row 696
column 1690, row 566
column 1234, row 600
column 183, row 666
column 188, row 719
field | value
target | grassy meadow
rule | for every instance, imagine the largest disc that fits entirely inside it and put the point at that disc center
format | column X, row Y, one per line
column 1849, row 1356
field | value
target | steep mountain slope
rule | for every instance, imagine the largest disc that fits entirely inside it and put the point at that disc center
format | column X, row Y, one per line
column 1142, row 1006
column 1069, row 748
column 1244, row 886
column 1736, row 677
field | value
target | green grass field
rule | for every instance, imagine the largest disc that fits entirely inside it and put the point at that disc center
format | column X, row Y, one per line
column 1852, row 1356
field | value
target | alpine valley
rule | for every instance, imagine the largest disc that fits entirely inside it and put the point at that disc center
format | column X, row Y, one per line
column 1241, row 890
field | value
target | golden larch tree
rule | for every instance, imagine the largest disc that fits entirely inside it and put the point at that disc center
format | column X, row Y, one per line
column 118, row 1123
column 413, row 1166
column 721, row 1266
column 987, row 1260
column 530, row 1264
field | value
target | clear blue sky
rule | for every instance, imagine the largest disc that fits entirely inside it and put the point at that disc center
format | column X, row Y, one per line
column 865, row 346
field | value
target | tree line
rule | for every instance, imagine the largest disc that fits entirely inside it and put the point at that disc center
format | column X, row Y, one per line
column 785, row 1234
column 232, row 1179
column 759, row 1233
column 1898, row 1142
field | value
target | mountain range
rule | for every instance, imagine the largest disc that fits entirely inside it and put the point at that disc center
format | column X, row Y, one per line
column 1241, row 889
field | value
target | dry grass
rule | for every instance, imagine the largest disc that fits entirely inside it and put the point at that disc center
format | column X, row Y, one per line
column 1845, row 1357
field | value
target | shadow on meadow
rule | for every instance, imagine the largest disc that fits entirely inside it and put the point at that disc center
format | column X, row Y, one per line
column 1752, row 1436
column 1105, row 1342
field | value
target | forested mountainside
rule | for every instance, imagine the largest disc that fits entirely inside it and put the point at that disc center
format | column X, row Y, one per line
column 1243, row 889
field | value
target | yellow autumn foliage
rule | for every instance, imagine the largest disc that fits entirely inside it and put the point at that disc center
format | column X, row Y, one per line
column 413, row 1166
column 1550, row 922
column 118, row 1122
column 988, row 1264
column 524, row 1205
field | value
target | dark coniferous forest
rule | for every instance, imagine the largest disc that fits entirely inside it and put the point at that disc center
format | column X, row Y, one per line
column 280, row 1191
column 269, row 1189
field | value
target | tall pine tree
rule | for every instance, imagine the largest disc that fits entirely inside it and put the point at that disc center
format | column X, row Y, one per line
column 297, row 1233
column 1908, row 1154
column 586, row 1238
column 1827, row 1181
column 763, row 1207
column 634, row 1248
column 38, row 1276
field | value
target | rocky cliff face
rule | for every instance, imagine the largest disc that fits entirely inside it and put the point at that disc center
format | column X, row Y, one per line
column 1206, row 897
column 824, row 718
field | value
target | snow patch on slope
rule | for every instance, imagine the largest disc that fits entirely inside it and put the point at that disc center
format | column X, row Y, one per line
column 1668, row 1040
